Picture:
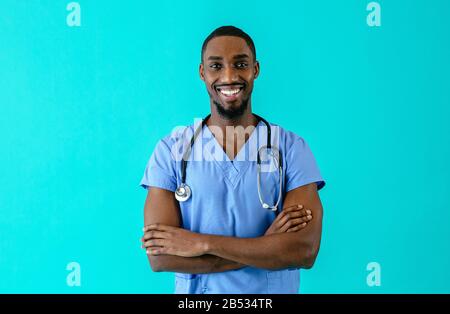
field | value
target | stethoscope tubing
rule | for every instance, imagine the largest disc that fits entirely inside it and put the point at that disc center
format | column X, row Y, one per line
column 183, row 192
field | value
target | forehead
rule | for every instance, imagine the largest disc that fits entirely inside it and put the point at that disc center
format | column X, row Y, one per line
column 227, row 46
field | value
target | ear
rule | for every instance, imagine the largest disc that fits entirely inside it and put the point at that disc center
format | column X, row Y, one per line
column 256, row 69
column 201, row 71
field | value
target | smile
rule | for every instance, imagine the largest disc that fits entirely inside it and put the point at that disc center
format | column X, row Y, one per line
column 230, row 91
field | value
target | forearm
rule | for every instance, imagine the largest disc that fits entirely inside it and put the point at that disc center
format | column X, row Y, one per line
column 192, row 265
column 276, row 251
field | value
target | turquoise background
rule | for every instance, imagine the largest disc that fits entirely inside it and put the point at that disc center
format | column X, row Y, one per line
column 81, row 109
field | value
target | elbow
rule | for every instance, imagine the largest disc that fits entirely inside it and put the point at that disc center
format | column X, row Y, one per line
column 308, row 261
column 156, row 268
column 308, row 256
column 157, row 264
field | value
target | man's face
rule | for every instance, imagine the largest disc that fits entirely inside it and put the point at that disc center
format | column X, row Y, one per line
column 228, row 70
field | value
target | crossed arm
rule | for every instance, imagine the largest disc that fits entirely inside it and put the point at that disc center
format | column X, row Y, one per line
column 171, row 248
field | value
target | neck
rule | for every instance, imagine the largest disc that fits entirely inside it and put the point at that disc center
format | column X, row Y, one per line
column 237, row 134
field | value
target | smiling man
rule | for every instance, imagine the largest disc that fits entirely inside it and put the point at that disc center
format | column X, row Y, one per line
column 236, row 220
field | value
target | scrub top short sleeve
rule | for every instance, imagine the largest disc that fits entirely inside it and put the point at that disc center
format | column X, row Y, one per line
column 301, row 166
column 160, row 170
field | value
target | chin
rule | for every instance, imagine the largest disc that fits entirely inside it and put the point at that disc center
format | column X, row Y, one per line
column 231, row 111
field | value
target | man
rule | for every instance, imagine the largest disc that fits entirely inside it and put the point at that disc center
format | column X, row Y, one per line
column 221, row 239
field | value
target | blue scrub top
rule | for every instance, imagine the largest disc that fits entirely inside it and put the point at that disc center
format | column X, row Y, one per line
column 225, row 199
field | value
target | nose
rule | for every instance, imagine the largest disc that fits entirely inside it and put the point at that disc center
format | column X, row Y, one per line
column 229, row 75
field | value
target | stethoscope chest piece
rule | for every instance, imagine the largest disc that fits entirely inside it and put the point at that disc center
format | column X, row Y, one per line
column 183, row 193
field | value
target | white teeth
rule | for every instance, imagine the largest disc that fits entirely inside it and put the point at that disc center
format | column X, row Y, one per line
column 230, row 92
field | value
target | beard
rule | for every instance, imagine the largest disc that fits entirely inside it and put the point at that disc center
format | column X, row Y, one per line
column 231, row 114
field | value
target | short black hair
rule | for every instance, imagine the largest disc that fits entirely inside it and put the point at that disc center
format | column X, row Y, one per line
column 229, row 31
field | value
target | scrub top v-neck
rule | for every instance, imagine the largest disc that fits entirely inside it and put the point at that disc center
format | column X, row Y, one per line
column 225, row 199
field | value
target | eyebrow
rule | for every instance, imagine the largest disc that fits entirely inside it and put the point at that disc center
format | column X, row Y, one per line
column 215, row 58
column 239, row 56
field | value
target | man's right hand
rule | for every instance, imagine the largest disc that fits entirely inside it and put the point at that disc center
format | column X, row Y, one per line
column 291, row 219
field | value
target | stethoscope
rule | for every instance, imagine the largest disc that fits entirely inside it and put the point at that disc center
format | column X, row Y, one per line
column 184, row 192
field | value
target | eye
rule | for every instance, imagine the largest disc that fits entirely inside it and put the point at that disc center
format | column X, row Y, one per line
column 215, row 66
column 241, row 65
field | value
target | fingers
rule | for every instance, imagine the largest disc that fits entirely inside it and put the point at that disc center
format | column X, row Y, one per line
column 153, row 234
column 158, row 226
column 297, row 228
column 158, row 247
column 287, row 219
column 155, row 251
column 290, row 209
column 298, row 213
column 156, row 237
column 289, row 216
column 154, row 243
column 295, row 222
column 293, row 208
